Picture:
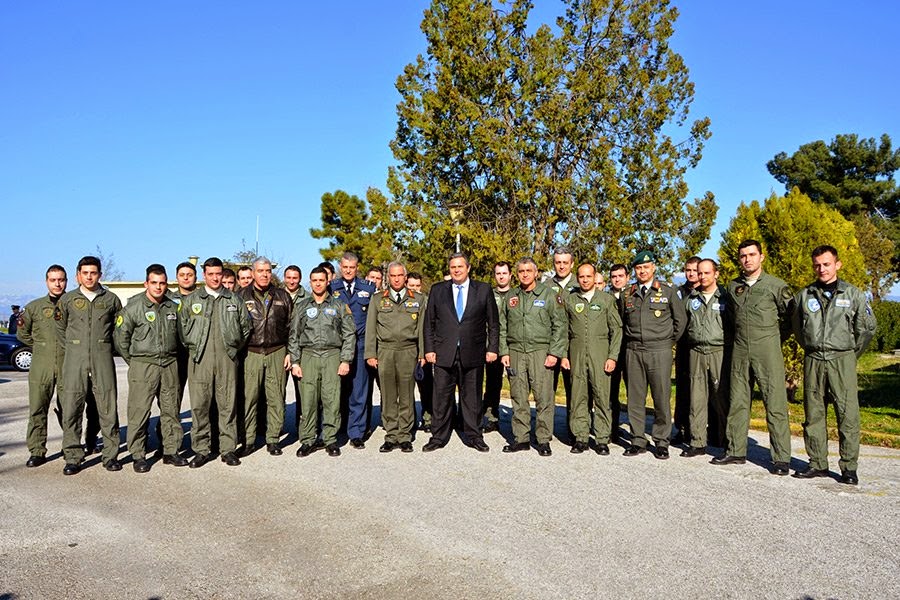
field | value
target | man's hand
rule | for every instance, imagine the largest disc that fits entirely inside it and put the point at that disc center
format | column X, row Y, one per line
column 431, row 357
column 566, row 364
column 504, row 360
column 550, row 361
column 344, row 368
column 296, row 371
column 287, row 362
column 372, row 362
column 609, row 366
column 490, row 357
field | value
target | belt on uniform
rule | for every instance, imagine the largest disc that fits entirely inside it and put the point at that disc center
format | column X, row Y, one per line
column 264, row 350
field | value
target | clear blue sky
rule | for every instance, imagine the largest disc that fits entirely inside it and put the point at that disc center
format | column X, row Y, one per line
column 161, row 130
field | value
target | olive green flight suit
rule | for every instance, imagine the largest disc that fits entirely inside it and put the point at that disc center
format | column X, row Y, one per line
column 760, row 320
column 595, row 335
column 85, row 329
column 707, row 364
column 323, row 335
column 833, row 332
column 394, row 337
column 214, row 329
column 532, row 327
column 146, row 336
column 652, row 323
column 37, row 329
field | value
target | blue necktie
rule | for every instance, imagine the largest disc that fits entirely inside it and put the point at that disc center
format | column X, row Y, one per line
column 459, row 302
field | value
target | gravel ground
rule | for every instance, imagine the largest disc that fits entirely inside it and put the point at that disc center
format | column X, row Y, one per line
column 451, row 524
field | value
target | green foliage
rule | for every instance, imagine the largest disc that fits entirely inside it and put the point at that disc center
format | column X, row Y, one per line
column 887, row 334
column 367, row 228
column 856, row 176
column 788, row 228
column 522, row 141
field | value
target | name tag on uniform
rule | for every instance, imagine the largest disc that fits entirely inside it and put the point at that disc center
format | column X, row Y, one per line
column 363, row 294
column 539, row 303
column 231, row 308
column 171, row 317
column 718, row 306
column 596, row 307
column 842, row 302
column 279, row 303
column 330, row 312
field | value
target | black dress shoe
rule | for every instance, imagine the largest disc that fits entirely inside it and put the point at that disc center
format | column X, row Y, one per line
column 432, row 445
column 603, row 449
column 198, row 461
column 692, row 451
column 728, row 460
column 112, row 465
column 305, row 450
column 71, row 469
column 406, row 447
column 273, row 449
column 387, row 447
column 544, row 449
column 517, row 447
column 633, row 450
column 246, row 450
column 780, row 468
column 578, row 447
column 175, row 460
column 480, row 446
column 810, row 473
column 661, row 453
column 141, row 466
column 490, row 426
column 231, row 459
column 333, row 450
column 89, row 449
column 849, row 477
column 318, row 445
column 358, row 443
column 36, row 461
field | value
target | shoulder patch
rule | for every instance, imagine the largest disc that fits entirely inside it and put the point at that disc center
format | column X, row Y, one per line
column 119, row 321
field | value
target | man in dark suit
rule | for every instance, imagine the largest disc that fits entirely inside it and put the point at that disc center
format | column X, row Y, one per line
column 462, row 332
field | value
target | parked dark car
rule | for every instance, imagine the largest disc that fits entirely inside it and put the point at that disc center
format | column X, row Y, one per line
column 14, row 353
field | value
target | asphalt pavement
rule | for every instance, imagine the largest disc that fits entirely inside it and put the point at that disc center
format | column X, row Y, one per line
column 454, row 523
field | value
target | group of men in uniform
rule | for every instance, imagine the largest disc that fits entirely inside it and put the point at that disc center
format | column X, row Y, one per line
column 237, row 339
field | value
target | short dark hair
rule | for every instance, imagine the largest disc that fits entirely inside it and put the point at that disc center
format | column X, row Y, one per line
column 461, row 255
column 155, row 269
column 374, row 269
column 820, row 250
column 414, row 275
column 226, row 272
column 503, row 263
column 55, row 267
column 692, row 260
column 748, row 243
column 89, row 261
column 212, row 261
column 319, row 269
column 188, row 265
column 618, row 267
column 243, row 268
column 294, row 268
column 329, row 268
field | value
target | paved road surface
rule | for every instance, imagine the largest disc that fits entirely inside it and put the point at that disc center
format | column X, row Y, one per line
column 451, row 524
